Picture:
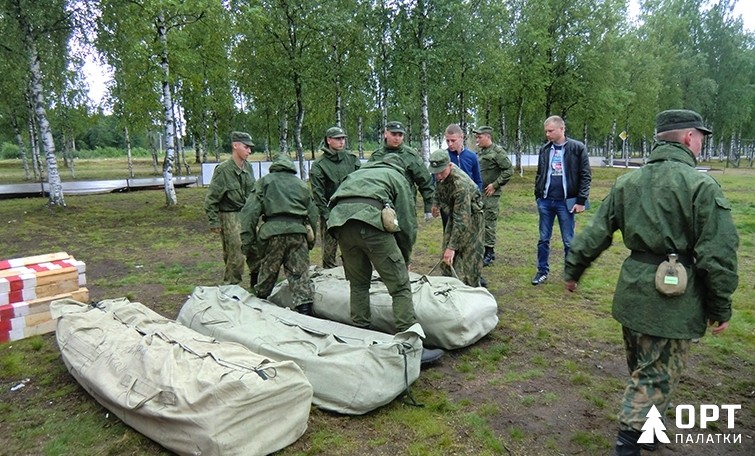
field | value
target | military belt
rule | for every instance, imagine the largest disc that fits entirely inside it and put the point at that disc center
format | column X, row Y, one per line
column 652, row 258
column 284, row 218
column 360, row 199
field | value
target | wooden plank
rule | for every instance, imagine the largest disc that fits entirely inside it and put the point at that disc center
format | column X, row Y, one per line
column 40, row 277
column 43, row 327
column 16, row 262
column 29, row 294
column 40, row 305
column 39, row 268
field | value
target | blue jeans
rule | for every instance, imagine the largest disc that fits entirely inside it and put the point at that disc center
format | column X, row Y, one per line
column 550, row 209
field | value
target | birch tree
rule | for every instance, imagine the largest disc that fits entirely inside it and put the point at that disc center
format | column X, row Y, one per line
column 43, row 27
column 291, row 35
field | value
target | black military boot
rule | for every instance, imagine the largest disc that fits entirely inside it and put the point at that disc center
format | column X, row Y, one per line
column 626, row 444
column 305, row 309
column 488, row 257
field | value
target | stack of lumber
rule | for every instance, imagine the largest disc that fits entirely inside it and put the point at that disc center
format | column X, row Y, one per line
column 27, row 287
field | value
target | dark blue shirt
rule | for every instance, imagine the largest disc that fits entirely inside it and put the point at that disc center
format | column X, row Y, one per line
column 467, row 161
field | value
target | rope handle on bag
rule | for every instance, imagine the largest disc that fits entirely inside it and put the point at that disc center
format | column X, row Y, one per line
column 453, row 271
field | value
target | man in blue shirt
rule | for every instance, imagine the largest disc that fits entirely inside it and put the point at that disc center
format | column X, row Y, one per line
column 562, row 186
column 462, row 157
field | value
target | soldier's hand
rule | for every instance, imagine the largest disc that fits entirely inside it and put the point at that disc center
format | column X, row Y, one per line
column 215, row 229
column 718, row 327
column 489, row 190
column 448, row 256
column 436, row 211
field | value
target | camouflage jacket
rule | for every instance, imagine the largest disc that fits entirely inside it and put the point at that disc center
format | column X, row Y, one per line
column 415, row 172
column 283, row 202
column 459, row 197
column 382, row 182
column 229, row 188
column 326, row 175
column 665, row 206
column 495, row 167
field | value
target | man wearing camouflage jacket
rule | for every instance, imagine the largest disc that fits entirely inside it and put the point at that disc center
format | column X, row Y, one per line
column 231, row 184
column 326, row 175
column 665, row 208
column 496, row 171
column 283, row 205
column 413, row 168
column 458, row 196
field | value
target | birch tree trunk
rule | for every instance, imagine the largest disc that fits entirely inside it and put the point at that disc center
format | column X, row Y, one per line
column 21, row 146
column 360, row 136
column 33, row 143
column 610, row 143
column 216, row 137
column 339, row 101
column 518, row 141
column 283, row 137
column 170, row 147
column 35, row 73
column 425, row 114
column 129, row 160
column 153, row 150
column 297, row 127
column 502, row 123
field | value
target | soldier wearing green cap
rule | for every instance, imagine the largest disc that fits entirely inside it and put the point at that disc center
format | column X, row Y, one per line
column 231, row 184
column 414, row 168
column 496, row 171
column 678, row 226
column 356, row 221
column 458, row 196
column 326, row 174
column 282, row 207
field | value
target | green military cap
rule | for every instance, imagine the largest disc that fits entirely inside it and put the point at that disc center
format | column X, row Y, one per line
column 438, row 161
column 242, row 137
column 395, row 127
column 484, row 129
column 680, row 119
column 335, row 132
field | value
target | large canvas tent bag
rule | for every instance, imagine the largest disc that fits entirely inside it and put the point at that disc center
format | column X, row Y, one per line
column 452, row 314
column 352, row 370
column 186, row 391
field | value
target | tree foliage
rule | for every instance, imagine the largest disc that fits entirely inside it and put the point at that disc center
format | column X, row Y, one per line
column 285, row 71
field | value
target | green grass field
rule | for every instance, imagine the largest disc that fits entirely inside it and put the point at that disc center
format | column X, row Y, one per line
column 546, row 381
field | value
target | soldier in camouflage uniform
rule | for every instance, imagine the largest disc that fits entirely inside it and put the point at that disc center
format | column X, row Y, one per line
column 665, row 207
column 232, row 182
column 496, row 171
column 326, row 175
column 413, row 167
column 459, row 197
column 283, row 204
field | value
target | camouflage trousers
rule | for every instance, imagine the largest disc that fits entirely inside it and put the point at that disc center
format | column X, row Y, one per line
column 291, row 252
column 655, row 366
column 233, row 257
column 364, row 246
column 468, row 257
column 490, row 209
column 329, row 246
